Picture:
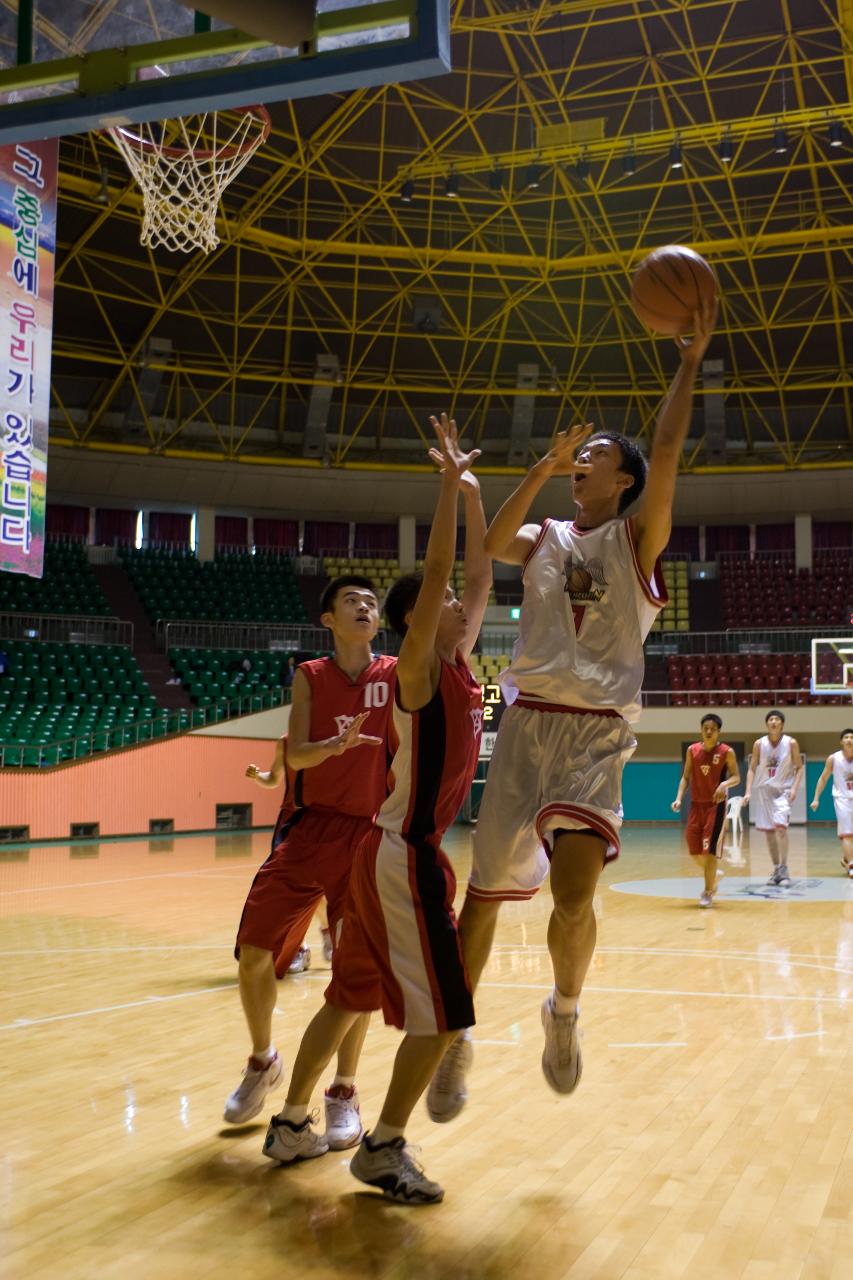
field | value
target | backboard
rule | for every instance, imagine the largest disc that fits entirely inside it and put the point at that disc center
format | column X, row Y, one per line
column 70, row 68
column 832, row 665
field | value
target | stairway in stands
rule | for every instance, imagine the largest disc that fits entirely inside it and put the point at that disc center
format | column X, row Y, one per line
column 155, row 666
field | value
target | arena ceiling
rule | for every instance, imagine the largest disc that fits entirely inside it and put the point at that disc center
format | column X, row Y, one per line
column 436, row 302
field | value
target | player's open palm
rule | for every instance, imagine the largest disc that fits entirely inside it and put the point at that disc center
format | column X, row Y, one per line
column 561, row 456
column 703, row 326
column 353, row 737
column 450, row 457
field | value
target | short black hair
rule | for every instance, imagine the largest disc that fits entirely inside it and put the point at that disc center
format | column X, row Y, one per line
column 633, row 462
column 775, row 712
column 401, row 599
column 711, row 716
column 844, row 733
column 327, row 599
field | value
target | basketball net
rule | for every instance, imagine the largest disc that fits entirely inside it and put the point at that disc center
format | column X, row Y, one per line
column 182, row 166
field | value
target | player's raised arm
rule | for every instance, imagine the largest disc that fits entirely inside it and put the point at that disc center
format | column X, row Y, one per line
column 509, row 539
column 418, row 663
column 653, row 523
column 821, row 782
column 478, row 563
column 683, row 783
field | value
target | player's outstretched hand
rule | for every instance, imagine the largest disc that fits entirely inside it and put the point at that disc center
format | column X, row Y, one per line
column 676, row 806
column 450, row 457
column 560, row 458
column 704, row 320
column 814, row 806
column 352, row 737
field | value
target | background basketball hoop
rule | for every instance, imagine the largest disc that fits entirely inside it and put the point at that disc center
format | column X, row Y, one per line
column 183, row 165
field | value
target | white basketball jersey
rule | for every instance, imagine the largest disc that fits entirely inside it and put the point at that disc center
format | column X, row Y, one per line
column 586, row 611
column 842, row 777
column 775, row 770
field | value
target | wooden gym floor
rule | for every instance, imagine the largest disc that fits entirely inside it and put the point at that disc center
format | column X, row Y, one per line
column 710, row 1135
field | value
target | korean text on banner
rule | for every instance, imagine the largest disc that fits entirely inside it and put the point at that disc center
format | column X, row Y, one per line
column 28, row 177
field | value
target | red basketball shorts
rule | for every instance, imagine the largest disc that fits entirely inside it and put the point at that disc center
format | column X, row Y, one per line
column 399, row 948
column 312, row 861
column 704, row 829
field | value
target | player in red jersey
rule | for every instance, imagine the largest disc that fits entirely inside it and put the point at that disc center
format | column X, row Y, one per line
column 337, row 735
column 399, row 947
column 711, row 772
column 289, row 960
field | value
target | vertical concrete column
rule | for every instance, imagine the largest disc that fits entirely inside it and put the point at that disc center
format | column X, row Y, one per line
column 406, row 543
column 803, row 541
column 205, row 522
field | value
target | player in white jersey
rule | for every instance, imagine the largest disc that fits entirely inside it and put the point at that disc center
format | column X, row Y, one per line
column 775, row 772
column 592, row 588
column 839, row 767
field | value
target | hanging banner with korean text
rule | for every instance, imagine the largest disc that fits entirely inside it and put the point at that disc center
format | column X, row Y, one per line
column 28, row 177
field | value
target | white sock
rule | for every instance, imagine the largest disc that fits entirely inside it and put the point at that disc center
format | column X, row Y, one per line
column 295, row 1112
column 267, row 1055
column 346, row 1082
column 564, row 1005
column 381, row 1133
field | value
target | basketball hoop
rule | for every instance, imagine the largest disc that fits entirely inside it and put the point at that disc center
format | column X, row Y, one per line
column 182, row 166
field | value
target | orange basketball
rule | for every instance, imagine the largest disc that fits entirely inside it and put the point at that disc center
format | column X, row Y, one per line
column 669, row 286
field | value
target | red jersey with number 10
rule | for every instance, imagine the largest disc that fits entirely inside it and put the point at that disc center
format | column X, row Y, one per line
column 709, row 770
column 355, row 783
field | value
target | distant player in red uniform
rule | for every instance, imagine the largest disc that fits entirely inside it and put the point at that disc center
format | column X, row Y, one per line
column 399, row 947
column 337, row 736
column 711, row 772
column 288, row 960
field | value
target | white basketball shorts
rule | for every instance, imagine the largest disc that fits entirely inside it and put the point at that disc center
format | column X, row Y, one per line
column 844, row 815
column 770, row 809
column 550, row 770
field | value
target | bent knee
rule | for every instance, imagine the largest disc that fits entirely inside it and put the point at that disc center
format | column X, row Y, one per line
column 254, row 957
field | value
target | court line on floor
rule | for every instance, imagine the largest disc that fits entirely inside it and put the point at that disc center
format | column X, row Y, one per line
column 93, row 884
column 647, row 1044
column 23, row 1024
column 708, row 955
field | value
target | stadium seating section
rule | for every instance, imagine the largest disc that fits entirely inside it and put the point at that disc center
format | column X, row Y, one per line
column 487, row 666
column 95, row 694
column 742, row 680
column 237, row 587
column 215, row 677
column 68, row 585
column 675, row 616
column 771, row 592
column 384, row 572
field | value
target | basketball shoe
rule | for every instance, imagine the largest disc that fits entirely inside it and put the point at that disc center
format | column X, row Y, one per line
column 327, row 945
column 392, row 1168
column 343, row 1118
column 706, row 899
column 247, row 1100
column 776, row 875
column 562, row 1063
column 301, row 961
column 288, row 1142
column 448, row 1092
column 784, row 880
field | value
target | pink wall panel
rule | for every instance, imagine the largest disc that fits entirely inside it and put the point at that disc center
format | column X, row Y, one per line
column 183, row 779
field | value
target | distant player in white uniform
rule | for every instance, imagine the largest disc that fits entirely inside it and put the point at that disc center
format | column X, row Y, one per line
column 839, row 767
column 775, row 772
column 592, row 588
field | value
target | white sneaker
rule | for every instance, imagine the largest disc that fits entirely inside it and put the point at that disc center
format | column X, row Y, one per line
column 706, row 899
column 561, row 1058
column 247, row 1100
column 301, row 961
column 288, row 1142
column 343, row 1118
column 784, row 880
column 326, row 935
column 776, row 875
column 448, row 1093
column 850, row 870
column 393, row 1169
